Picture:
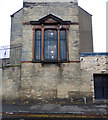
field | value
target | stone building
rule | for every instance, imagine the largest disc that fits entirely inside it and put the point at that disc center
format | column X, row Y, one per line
column 45, row 64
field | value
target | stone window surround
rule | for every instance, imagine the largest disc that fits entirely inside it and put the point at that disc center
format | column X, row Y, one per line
column 50, row 21
column 45, row 27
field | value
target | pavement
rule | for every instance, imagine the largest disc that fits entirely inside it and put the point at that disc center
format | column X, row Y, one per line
column 51, row 110
column 56, row 108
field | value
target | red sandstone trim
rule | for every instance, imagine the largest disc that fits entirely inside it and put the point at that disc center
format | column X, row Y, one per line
column 74, row 61
column 26, row 23
column 33, row 44
column 26, row 61
column 75, row 23
column 67, row 45
column 58, row 30
column 42, row 54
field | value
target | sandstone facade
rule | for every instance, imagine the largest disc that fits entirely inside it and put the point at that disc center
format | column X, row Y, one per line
column 28, row 82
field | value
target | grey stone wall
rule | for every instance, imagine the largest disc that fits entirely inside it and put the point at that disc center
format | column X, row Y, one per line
column 16, row 37
column 61, row 11
column 32, row 83
column 92, row 64
column 85, row 33
column 11, row 84
column 32, row 11
column 16, row 27
column 47, row 83
column 29, row 83
column 15, row 54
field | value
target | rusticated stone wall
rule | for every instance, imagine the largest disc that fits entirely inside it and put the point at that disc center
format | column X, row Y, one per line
column 11, row 77
column 92, row 63
column 33, row 83
column 50, row 82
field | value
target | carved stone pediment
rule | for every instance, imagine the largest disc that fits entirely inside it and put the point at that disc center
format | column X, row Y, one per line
column 50, row 19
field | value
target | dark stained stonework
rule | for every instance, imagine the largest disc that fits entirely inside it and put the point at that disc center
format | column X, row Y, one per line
column 26, row 81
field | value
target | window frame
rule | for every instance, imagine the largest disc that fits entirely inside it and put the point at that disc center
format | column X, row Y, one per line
column 44, row 27
column 56, row 45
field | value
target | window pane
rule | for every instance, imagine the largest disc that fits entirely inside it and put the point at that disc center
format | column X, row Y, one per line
column 50, row 45
column 63, row 48
column 38, row 45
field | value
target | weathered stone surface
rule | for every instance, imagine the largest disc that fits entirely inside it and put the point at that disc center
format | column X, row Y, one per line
column 16, row 27
column 91, row 65
column 16, row 37
column 61, row 11
column 61, row 83
column 11, row 84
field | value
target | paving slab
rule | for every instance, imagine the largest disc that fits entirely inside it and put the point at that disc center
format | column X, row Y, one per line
column 56, row 108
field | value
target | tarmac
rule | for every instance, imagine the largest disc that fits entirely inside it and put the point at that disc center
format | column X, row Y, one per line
column 46, row 111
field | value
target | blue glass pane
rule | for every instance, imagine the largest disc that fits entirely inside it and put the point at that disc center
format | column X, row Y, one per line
column 63, row 48
column 50, row 45
column 38, row 45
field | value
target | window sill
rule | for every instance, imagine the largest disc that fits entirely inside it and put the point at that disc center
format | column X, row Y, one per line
column 34, row 61
column 48, row 61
